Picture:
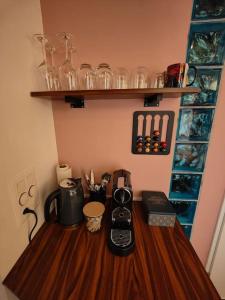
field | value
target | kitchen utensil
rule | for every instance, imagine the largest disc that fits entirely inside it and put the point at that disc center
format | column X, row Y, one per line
column 99, row 194
column 69, row 202
column 177, row 75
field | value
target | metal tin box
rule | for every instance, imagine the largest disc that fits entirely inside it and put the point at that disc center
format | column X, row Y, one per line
column 157, row 209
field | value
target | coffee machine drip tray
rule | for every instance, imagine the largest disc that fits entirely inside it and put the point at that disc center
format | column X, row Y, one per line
column 121, row 215
column 121, row 237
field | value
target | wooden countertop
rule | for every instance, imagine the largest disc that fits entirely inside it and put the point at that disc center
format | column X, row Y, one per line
column 70, row 264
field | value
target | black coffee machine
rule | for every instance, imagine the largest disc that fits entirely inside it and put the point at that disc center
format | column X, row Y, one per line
column 121, row 233
column 69, row 201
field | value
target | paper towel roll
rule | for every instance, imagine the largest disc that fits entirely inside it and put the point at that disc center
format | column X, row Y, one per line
column 63, row 171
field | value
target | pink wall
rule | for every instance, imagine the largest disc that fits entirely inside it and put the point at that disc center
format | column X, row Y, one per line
column 122, row 33
column 128, row 34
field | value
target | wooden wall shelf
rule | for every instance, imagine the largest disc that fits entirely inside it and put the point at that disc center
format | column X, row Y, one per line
column 152, row 96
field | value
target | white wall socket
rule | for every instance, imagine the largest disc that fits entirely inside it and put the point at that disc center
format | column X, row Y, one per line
column 24, row 193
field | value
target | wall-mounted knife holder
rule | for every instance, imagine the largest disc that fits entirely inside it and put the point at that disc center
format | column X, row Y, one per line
column 152, row 132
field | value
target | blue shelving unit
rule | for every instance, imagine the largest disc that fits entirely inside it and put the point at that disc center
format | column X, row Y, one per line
column 206, row 51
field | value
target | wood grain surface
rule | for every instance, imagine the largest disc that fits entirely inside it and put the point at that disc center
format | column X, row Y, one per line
column 117, row 93
column 75, row 264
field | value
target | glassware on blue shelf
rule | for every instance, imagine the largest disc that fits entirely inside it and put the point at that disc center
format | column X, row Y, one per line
column 206, row 44
column 208, row 9
column 208, row 80
column 185, row 211
column 195, row 124
column 187, row 230
column 190, row 157
column 185, row 186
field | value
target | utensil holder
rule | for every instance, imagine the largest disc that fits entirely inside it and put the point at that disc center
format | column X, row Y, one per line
column 99, row 196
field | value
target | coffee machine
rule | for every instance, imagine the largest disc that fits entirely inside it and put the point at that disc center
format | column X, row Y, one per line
column 121, row 233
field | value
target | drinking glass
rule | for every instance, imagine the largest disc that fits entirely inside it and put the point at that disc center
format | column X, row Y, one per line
column 54, row 69
column 121, row 78
column 140, row 78
column 44, row 68
column 158, row 80
column 104, row 76
column 68, row 74
column 87, row 77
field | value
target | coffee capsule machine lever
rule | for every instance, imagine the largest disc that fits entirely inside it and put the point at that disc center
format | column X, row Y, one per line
column 121, row 233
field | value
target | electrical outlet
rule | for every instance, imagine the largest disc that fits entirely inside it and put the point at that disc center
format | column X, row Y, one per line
column 24, row 193
column 21, row 189
column 32, row 189
column 19, row 197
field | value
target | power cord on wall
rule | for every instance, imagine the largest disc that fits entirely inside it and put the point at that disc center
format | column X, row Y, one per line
column 31, row 211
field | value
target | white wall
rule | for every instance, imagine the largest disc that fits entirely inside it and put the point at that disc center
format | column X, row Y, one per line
column 27, row 135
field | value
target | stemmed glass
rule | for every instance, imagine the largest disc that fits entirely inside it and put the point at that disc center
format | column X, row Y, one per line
column 53, row 69
column 68, row 74
column 44, row 68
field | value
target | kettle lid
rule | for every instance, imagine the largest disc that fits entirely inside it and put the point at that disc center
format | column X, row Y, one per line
column 67, row 183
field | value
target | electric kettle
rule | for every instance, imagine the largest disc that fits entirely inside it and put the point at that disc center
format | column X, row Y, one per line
column 69, row 202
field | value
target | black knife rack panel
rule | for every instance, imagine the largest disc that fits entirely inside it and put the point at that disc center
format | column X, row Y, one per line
column 152, row 132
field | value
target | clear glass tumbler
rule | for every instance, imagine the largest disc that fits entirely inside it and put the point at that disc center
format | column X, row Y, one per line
column 87, row 77
column 121, row 78
column 140, row 78
column 104, row 77
column 158, row 80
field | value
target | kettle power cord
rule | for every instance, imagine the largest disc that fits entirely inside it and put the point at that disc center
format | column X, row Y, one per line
column 31, row 211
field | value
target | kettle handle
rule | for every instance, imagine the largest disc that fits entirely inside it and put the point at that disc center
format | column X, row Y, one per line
column 48, row 203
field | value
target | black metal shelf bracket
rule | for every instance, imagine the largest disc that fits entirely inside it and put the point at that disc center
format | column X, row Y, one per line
column 152, row 100
column 75, row 102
